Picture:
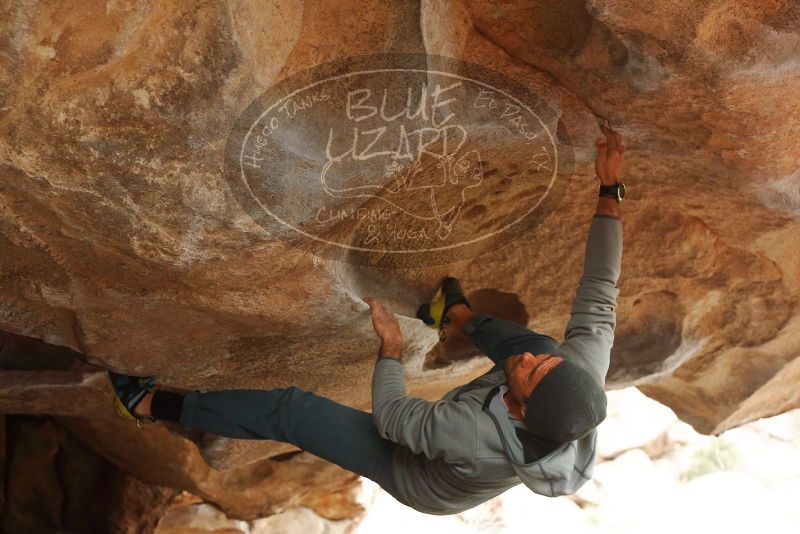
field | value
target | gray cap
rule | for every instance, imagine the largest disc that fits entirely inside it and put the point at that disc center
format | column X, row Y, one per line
column 566, row 404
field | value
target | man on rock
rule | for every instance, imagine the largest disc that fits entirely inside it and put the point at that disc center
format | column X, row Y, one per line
column 531, row 419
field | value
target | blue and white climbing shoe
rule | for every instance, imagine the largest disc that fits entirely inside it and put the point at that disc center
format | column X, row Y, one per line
column 128, row 392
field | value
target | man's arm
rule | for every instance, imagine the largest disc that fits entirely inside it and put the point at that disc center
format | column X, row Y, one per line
column 589, row 334
column 608, row 207
column 440, row 429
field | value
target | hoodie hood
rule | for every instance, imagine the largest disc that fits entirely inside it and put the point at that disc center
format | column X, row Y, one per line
column 511, row 442
column 561, row 472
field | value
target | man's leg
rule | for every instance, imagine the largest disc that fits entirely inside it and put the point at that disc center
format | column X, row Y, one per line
column 332, row 431
column 498, row 338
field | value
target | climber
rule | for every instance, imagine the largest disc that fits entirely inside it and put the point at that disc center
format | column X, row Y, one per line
column 531, row 419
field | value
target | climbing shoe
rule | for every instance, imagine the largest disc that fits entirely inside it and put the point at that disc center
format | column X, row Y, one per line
column 434, row 313
column 128, row 392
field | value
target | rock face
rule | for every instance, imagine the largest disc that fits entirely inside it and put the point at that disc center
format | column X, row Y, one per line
column 57, row 484
column 123, row 240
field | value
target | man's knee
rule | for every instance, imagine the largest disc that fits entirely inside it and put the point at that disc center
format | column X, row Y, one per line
column 291, row 402
column 289, row 397
column 294, row 393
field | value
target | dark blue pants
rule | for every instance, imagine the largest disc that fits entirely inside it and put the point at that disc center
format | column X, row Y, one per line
column 498, row 339
column 339, row 434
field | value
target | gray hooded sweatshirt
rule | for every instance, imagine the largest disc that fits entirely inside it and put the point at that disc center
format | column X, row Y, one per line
column 462, row 450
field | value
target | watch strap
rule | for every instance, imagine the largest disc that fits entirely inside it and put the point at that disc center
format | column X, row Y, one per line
column 612, row 191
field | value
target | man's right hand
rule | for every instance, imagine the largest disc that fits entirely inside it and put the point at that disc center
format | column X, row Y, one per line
column 386, row 327
column 609, row 155
column 607, row 166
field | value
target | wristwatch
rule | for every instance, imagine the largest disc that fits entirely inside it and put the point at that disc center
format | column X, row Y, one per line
column 613, row 191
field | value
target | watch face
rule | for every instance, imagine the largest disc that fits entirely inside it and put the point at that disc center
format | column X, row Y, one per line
column 621, row 191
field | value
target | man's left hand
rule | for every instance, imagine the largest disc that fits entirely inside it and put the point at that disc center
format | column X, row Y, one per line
column 387, row 328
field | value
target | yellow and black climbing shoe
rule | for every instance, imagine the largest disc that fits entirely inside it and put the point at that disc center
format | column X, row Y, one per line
column 434, row 313
column 128, row 392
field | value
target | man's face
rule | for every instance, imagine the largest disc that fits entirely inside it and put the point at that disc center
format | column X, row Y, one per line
column 521, row 376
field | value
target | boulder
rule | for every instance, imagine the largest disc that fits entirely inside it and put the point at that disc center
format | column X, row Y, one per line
column 126, row 241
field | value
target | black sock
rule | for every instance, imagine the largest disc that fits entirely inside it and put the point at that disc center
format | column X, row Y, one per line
column 167, row 406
